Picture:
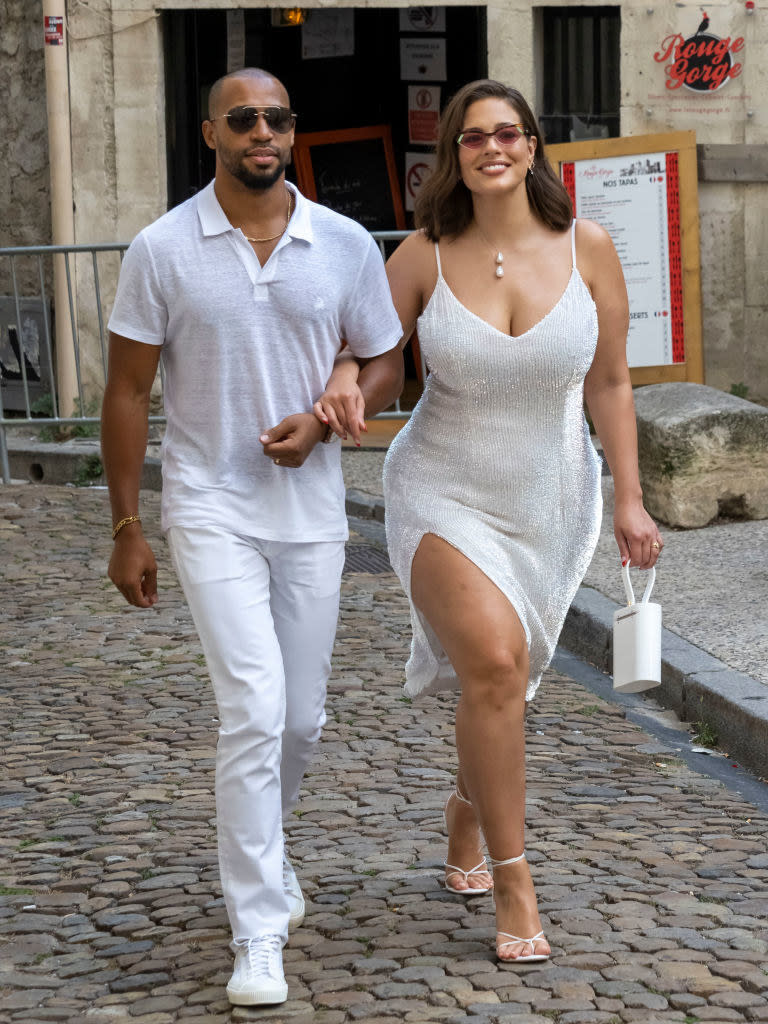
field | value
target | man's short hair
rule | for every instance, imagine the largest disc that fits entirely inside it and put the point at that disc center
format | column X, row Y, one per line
column 257, row 73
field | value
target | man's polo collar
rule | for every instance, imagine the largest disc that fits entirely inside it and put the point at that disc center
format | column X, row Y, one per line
column 214, row 221
column 300, row 225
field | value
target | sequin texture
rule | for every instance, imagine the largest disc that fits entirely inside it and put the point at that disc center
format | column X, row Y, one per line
column 497, row 460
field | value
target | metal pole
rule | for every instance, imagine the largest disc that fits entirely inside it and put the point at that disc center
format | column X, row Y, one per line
column 5, row 468
column 62, row 205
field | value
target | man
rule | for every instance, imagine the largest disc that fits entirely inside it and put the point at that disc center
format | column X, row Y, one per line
column 247, row 289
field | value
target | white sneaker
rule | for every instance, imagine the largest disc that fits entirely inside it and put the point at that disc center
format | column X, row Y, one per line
column 258, row 975
column 294, row 895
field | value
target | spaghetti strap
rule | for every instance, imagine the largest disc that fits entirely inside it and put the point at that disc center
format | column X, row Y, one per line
column 437, row 257
column 573, row 245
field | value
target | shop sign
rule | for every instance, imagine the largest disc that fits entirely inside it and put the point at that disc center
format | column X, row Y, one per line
column 54, row 30
column 423, row 113
column 703, row 62
column 418, row 167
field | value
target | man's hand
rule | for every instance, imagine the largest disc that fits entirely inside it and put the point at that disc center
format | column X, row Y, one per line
column 290, row 442
column 133, row 569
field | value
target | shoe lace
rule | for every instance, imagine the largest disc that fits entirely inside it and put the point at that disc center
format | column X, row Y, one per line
column 262, row 954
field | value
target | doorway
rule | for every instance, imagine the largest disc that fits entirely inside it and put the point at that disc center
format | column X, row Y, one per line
column 329, row 93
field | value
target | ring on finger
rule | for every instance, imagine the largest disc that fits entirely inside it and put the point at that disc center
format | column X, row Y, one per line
column 656, row 545
column 277, row 462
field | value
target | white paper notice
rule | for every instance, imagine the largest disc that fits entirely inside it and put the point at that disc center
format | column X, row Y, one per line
column 422, row 19
column 422, row 60
column 627, row 195
column 418, row 167
column 328, row 33
column 235, row 40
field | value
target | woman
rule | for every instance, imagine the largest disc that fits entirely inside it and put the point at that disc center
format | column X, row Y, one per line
column 493, row 487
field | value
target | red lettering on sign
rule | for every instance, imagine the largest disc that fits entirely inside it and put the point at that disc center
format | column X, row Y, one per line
column 701, row 62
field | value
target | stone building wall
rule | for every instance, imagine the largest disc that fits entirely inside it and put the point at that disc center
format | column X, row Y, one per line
column 25, row 217
column 25, row 212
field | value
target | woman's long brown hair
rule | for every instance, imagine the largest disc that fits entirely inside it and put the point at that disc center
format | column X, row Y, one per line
column 444, row 203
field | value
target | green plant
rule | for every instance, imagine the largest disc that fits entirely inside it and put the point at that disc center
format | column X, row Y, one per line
column 75, row 799
column 741, row 390
column 89, row 471
column 43, row 407
column 589, row 709
column 705, row 735
column 10, row 890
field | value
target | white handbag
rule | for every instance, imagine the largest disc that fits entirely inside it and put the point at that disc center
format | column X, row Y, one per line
column 637, row 640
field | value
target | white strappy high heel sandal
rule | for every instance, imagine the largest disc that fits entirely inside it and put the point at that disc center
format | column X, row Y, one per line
column 514, row 940
column 452, row 869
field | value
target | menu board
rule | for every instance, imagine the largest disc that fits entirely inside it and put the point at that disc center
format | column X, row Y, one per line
column 353, row 172
column 643, row 191
column 637, row 200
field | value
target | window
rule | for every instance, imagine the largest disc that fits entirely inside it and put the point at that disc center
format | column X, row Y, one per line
column 579, row 72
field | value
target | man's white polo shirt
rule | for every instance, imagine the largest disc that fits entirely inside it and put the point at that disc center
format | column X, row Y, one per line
column 243, row 347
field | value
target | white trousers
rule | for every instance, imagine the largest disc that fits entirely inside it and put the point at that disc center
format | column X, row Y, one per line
column 266, row 612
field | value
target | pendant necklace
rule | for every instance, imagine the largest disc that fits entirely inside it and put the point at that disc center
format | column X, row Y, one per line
column 281, row 231
column 499, row 271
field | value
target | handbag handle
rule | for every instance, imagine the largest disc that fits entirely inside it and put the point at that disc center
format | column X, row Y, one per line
column 628, row 584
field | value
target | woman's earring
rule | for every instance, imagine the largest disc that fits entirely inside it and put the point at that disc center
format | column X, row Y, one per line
column 530, row 169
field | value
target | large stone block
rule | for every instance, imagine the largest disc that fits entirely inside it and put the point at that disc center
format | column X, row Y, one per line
column 703, row 453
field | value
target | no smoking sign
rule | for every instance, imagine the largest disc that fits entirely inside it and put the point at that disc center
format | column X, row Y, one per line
column 418, row 167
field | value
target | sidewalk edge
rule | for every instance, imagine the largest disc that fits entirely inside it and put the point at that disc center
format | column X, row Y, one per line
column 696, row 685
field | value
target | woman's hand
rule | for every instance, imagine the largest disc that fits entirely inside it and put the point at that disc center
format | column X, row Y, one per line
column 342, row 406
column 636, row 534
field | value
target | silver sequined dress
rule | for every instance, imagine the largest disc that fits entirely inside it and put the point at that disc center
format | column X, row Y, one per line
column 497, row 460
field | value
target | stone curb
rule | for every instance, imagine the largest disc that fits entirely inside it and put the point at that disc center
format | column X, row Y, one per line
column 66, row 462
column 697, row 686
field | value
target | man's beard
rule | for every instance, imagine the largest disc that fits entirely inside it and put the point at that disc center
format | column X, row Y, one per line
column 258, row 181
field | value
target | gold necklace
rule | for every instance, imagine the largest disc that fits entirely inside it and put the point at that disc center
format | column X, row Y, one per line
column 499, row 271
column 281, row 231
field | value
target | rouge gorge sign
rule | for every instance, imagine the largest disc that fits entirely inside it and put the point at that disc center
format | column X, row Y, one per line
column 703, row 62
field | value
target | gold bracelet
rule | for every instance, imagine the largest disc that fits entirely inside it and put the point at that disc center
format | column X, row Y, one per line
column 125, row 522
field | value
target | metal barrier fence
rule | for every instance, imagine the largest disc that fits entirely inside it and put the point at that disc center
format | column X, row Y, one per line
column 29, row 394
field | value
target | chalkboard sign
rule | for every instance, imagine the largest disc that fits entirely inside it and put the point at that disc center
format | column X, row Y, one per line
column 353, row 172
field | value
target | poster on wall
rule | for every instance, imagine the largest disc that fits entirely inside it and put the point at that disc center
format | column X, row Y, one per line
column 418, row 167
column 328, row 33
column 636, row 199
column 423, row 60
column 422, row 19
column 423, row 113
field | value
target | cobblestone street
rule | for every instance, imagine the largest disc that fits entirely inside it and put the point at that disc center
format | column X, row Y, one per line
column 652, row 879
